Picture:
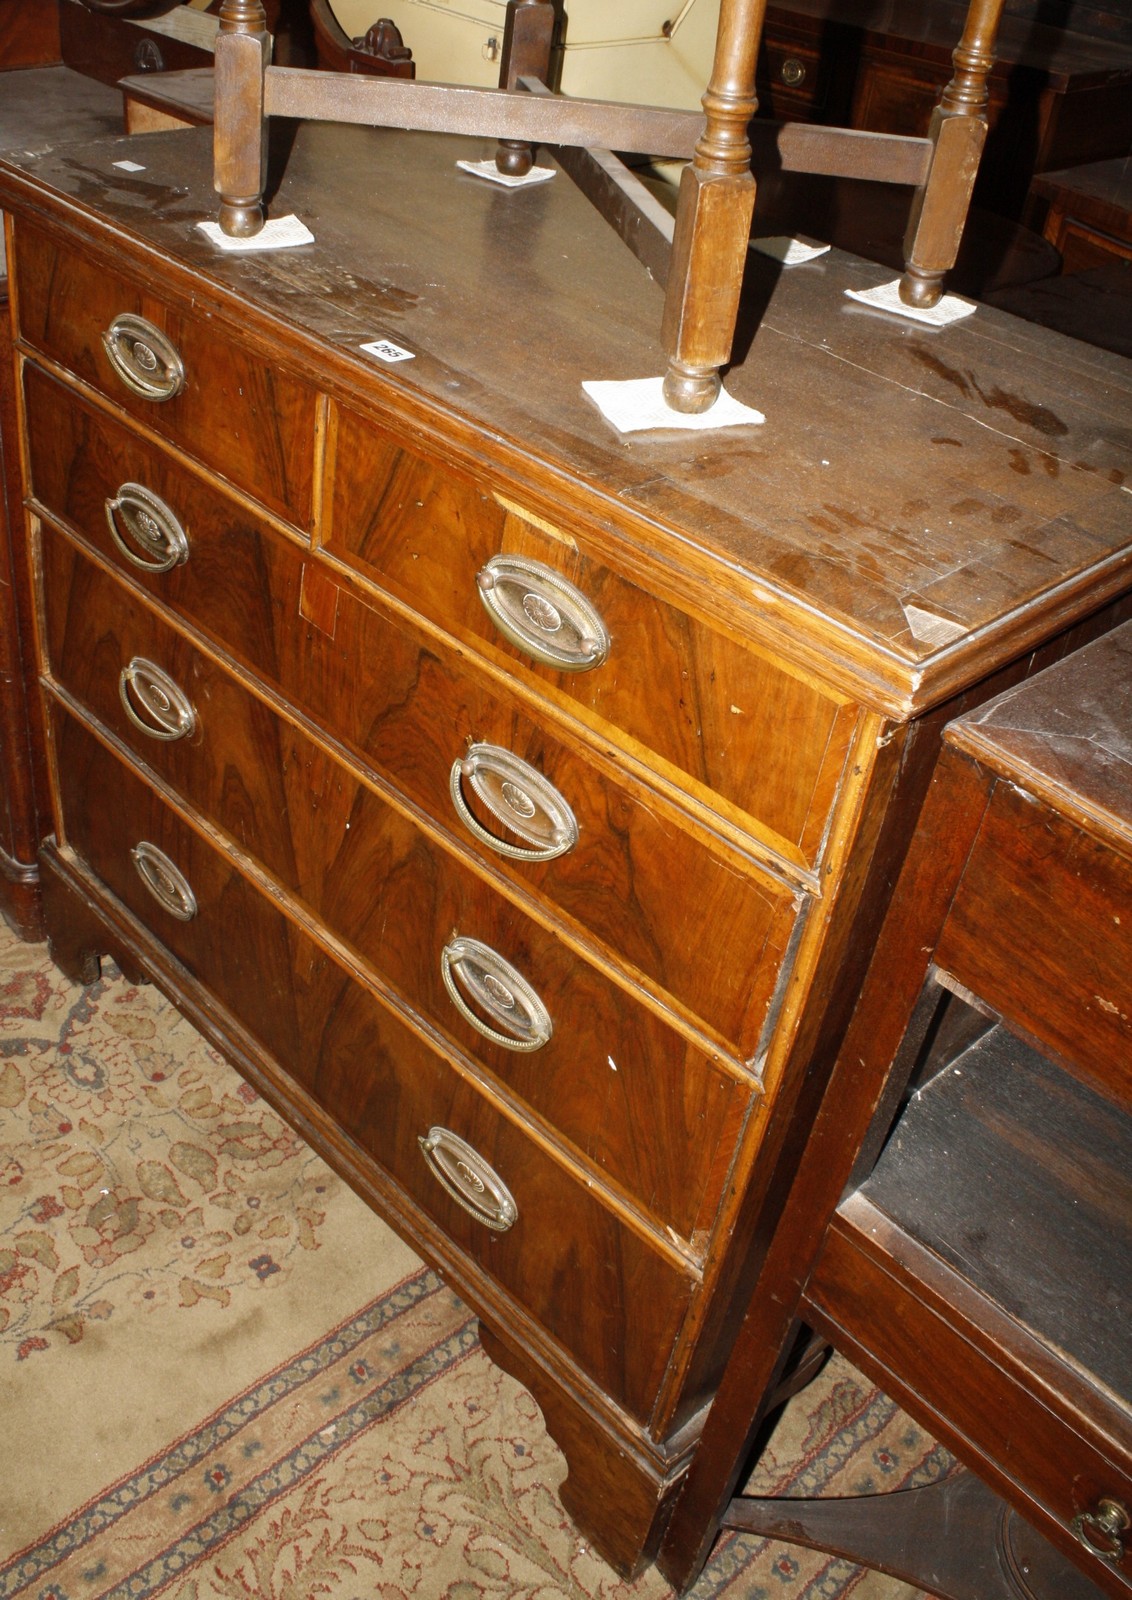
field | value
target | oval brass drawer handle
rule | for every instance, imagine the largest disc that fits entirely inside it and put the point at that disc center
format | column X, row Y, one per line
column 1102, row 1530
column 145, row 530
column 144, row 357
column 792, row 72
column 495, row 986
column 164, row 880
column 468, row 1179
column 542, row 614
column 153, row 702
column 519, row 797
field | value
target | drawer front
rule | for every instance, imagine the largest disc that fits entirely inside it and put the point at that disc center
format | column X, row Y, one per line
column 1063, row 900
column 599, row 1289
column 792, row 79
column 414, row 717
column 251, row 420
column 668, row 1115
column 771, row 745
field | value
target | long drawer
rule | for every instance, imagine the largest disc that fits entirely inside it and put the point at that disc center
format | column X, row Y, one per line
column 771, row 745
column 667, row 1113
column 637, row 881
column 251, row 419
column 598, row 1287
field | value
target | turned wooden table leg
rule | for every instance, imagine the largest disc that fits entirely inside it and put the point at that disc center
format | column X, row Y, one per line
column 239, row 149
column 713, row 219
column 958, row 131
column 528, row 34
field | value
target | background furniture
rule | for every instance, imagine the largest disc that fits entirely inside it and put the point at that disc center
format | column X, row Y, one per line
column 107, row 46
column 1060, row 92
column 155, row 36
column 352, row 608
column 1086, row 212
column 379, row 51
column 22, row 823
column 29, row 34
column 35, row 107
column 979, row 1261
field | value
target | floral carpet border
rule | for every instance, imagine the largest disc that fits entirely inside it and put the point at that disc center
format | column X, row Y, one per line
column 345, row 1394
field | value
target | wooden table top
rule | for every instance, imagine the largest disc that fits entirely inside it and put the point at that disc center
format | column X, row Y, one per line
column 42, row 106
column 1066, row 734
column 1109, row 182
column 916, row 507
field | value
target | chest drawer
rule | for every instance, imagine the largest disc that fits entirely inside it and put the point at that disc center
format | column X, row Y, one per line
column 597, row 1286
column 723, row 717
column 413, row 721
column 246, row 416
column 792, row 77
column 668, row 1113
column 1062, row 894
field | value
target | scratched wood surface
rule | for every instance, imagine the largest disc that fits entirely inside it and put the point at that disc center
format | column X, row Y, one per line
column 1069, row 735
column 916, row 487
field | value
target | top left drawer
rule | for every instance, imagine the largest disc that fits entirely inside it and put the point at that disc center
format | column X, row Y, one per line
column 252, row 422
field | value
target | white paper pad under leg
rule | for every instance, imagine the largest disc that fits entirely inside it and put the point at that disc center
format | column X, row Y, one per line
column 281, row 233
column 638, row 404
column 488, row 170
column 886, row 297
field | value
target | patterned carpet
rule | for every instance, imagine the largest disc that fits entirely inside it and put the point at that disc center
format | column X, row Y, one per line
column 224, row 1377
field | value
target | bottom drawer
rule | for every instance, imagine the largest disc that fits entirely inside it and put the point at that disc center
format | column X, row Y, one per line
column 608, row 1297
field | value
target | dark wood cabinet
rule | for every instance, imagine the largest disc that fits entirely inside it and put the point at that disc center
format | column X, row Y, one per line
column 516, row 803
column 29, row 34
column 1060, row 92
column 1086, row 212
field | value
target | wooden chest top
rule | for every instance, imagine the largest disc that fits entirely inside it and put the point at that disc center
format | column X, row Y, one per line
column 1067, row 736
column 918, row 506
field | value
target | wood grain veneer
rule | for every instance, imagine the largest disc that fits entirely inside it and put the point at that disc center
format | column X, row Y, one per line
column 793, row 613
column 267, row 442
column 377, row 882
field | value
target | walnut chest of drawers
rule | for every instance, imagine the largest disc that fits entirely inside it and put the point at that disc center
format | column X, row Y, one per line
column 513, row 803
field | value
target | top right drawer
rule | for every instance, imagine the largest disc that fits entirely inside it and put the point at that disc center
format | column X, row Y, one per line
column 757, row 742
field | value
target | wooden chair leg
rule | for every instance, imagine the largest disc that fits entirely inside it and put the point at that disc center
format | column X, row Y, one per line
column 243, row 51
column 954, row 1538
column 528, row 35
column 713, row 219
column 958, row 131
